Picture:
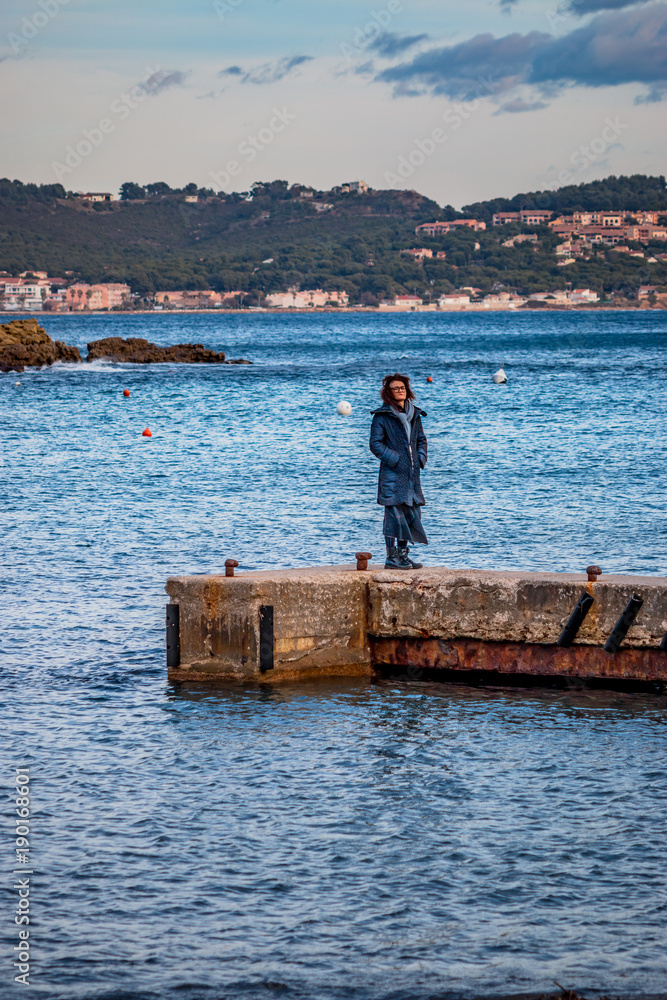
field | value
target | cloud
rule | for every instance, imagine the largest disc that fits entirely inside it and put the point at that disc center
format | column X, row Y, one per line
column 518, row 105
column 580, row 7
column 389, row 44
column 626, row 46
column 461, row 70
column 656, row 93
column 270, row 72
column 163, row 79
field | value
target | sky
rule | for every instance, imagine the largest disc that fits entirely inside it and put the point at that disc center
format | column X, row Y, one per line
column 459, row 100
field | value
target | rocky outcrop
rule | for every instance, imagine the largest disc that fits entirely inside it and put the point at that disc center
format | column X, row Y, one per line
column 24, row 342
column 142, row 352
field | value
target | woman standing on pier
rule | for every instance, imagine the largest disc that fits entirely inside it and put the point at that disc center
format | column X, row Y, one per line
column 398, row 440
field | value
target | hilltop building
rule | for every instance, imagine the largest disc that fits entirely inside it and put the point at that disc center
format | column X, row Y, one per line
column 94, row 196
column 526, row 217
column 441, row 228
column 419, row 253
column 355, row 187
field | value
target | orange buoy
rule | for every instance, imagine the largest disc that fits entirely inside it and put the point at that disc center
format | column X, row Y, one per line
column 126, row 392
column 147, row 433
column 429, row 379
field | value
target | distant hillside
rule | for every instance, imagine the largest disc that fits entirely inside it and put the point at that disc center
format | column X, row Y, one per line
column 164, row 242
column 275, row 237
column 633, row 194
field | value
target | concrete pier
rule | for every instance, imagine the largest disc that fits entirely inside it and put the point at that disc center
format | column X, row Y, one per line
column 335, row 620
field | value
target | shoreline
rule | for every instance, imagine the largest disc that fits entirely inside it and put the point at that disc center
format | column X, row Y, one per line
column 364, row 310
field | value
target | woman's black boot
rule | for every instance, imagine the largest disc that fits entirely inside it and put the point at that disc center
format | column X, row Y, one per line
column 404, row 556
column 395, row 560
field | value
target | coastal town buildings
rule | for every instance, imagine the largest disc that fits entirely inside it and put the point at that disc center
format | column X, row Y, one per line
column 574, row 296
column 23, row 293
column 502, row 300
column 469, row 300
column 607, row 235
column 81, row 297
column 197, row 299
column 33, row 295
column 645, row 232
column 610, row 228
column 180, row 299
column 442, row 228
column 315, row 298
column 526, row 217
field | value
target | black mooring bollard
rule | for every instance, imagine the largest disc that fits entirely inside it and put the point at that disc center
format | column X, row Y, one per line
column 620, row 630
column 663, row 644
column 576, row 619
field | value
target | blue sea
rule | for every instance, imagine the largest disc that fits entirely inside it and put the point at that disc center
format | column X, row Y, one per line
column 343, row 839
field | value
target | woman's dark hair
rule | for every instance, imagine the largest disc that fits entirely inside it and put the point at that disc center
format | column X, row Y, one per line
column 386, row 382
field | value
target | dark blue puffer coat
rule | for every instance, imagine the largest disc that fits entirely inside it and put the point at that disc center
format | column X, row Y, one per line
column 399, row 464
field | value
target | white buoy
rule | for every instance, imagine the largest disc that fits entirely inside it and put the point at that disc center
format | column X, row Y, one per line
column 17, row 383
column 500, row 377
column 344, row 408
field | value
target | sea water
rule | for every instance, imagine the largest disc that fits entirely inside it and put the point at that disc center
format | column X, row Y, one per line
column 336, row 839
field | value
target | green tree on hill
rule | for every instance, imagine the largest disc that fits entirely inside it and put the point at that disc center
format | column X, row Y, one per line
column 129, row 191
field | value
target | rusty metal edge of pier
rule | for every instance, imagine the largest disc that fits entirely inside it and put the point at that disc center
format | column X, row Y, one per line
column 468, row 656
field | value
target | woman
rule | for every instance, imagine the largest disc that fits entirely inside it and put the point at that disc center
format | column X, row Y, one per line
column 398, row 440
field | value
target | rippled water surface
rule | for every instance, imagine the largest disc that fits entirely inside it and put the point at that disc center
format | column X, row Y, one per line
column 340, row 839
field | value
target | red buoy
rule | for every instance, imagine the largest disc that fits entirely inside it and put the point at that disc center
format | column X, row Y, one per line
column 126, row 392
column 429, row 379
column 147, row 433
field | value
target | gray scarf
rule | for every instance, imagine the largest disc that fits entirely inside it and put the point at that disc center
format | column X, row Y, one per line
column 405, row 416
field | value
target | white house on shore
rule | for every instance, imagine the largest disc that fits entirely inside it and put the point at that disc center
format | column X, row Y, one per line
column 404, row 303
column 311, row 299
column 457, row 300
column 562, row 297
